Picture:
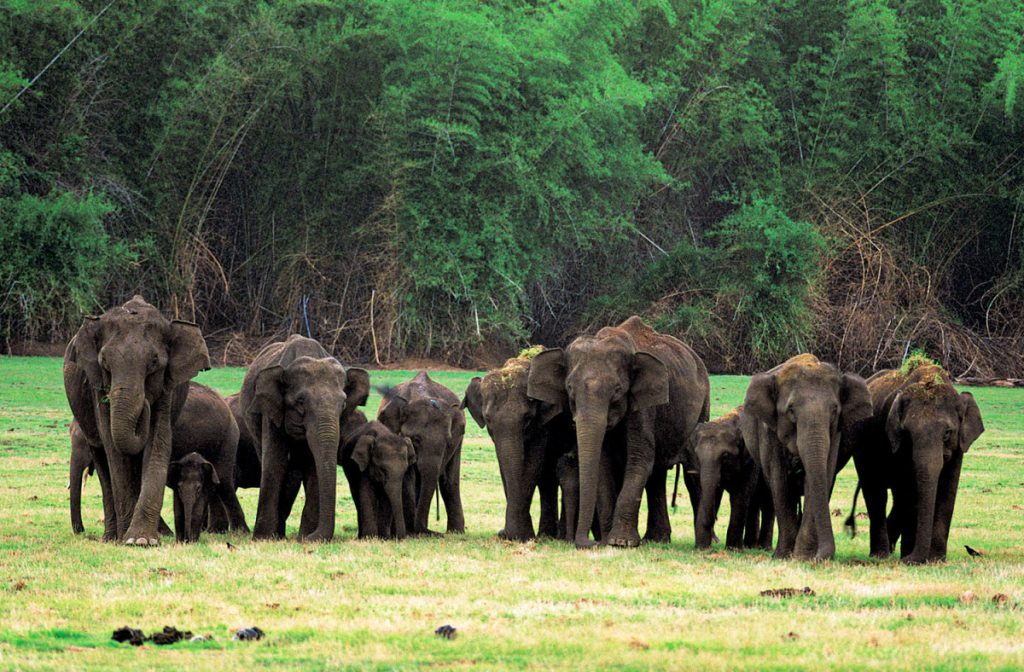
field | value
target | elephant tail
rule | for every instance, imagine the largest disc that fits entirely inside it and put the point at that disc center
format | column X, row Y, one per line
column 851, row 520
column 675, row 488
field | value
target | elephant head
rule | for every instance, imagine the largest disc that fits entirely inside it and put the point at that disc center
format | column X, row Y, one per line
column 599, row 380
column 807, row 405
column 385, row 458
column 306, row 399
column 499, row 403
column 927, row 424
column 132, row 356
column 193, row 480
column 719, row 451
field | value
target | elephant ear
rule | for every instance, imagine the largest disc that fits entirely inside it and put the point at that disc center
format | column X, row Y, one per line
column 547, row 379
column 84, row 351
column 357, row 388
column 547, row 412
column 173, row 473
column 187, row 354
column 894, row 422
column 361, row 452
column 650, row 382
column 474, row 401
column 211, row 473
column 760, row 400
column 971, row 426
column 268, row 398
column 856, row 410
column 410, row 451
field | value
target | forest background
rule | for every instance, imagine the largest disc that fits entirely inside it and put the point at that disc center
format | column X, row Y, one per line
column 455, row 179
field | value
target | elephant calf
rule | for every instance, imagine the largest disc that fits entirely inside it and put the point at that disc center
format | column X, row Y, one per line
column 194, row 482
column 914, row 445
column 723, row 462
column 430, row 415
column 377, row 464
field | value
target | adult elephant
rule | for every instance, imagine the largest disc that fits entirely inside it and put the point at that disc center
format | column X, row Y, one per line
column 205, row 426
column 638, row 395
column 295, row 396
column 126, row 376
column 914, row 445
column 724, row 464
column 800, row 420
column 431, row 416
column 529, row 436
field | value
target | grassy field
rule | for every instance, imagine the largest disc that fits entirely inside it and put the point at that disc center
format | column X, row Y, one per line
column 371, row 604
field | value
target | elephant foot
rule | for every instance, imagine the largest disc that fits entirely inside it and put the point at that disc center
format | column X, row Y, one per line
column 142, row 541
column 428, row 533
column 164, row 529
column 913, row 559
column 584, row 545
column 623, row 538
column 658, row 537
column 782, row 554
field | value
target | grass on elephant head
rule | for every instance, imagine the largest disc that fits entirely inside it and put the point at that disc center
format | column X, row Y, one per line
column 372, row 604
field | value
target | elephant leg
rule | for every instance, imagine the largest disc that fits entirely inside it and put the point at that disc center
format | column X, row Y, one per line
column 216, row 519
column 903, row 519
column 143, row 529
column 659, row 528
column 752, row 526
column 311, row 509
column 371, row 514
column 99, row 458
column 226, row 493
column 639, row 465
column 607, row 489
column 451, row 495
column 124, row 485
column 949, row 482
column 785, row 512
column 549, row 524
column 81, row 457
column 164, row 528
column 273, row 474
column 429, row 469
column 875, row 499
column 409, row 490
column 289, row 493
column 767, row 509
column 737, row 520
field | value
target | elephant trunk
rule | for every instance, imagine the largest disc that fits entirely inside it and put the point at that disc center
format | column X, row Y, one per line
column 189, row 504
column 75, row 485
column 591, row 422
column 394, row 492
column 323, row 444
column 926, row 479
column 813, row 445
column 129, row 419
column 518, row 492
column 710, row 479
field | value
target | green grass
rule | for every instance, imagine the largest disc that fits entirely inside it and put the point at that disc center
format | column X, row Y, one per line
column 371, row 604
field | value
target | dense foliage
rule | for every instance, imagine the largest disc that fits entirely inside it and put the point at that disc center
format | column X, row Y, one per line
column 457, row 178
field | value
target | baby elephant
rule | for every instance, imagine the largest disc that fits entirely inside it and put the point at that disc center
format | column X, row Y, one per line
column 194, row 482
column 723, row 462
column 377, row 465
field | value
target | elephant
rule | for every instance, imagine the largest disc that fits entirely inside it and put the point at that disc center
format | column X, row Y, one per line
column 635, row 396
column 295, row 397
column 194, row 482
column 431, row 416
column 914, row 445
column 126, row 376
column 799, row 424
column 724, row 463
column 378, row 465
column 529, row 436
column 206, row 426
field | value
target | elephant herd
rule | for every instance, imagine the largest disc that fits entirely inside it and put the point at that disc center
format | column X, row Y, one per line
column 602, row 421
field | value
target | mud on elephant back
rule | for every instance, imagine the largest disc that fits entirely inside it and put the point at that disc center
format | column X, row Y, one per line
column 126, row 376
column 296, row 397
column 635, row 395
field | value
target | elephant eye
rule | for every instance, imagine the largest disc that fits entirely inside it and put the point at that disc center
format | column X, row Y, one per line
column 947, row 435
